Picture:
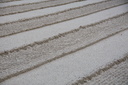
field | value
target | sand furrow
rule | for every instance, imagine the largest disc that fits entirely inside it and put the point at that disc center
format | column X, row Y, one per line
column 30, row 3
column 41, row 12
column 31, row 7
column 21, row 40
column 115, row 73
column 5, row 1
column 38, row 22
column 66, row 70
column 19, row 2
column 30, row 57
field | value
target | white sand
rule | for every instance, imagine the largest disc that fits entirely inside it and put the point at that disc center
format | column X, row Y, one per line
column 70, row 68
column 21, row 39
column 40, row 12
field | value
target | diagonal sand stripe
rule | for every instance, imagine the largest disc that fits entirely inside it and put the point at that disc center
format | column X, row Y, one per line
column 59, row 12
column 19, row 2
column 44, row 1
column 15, row 63
column 5, row 1
column 26, row 25
column 72, row 67
column 27, row 38
column 112, row 74
column 25, row 8
column 41, row 12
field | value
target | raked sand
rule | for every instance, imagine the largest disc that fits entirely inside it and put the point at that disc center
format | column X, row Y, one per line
column 63, row 42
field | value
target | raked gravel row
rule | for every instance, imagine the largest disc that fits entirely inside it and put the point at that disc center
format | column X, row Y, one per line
column 37, row 22
column 72, row 67
column 19, row 2
column 31, row 7
column 4, row 1
column 41, row 12
column 64, row 45
column 26, row 58
column 23, row 4
column 117, row 75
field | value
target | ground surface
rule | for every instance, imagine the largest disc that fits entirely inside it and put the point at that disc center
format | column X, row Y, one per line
column 63, row 42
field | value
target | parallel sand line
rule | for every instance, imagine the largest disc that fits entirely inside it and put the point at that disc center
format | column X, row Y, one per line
column 26, row 4
column 5, row 1
column 58, row 36
column 34, row 67
column 29, row 37
column 51, row 14
column 75, row 66
column 18, row 27
column 26, row 8
column 101, row 71
column 118, row 74
column 41, row 12
column 19, row 2
column 119, row 24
